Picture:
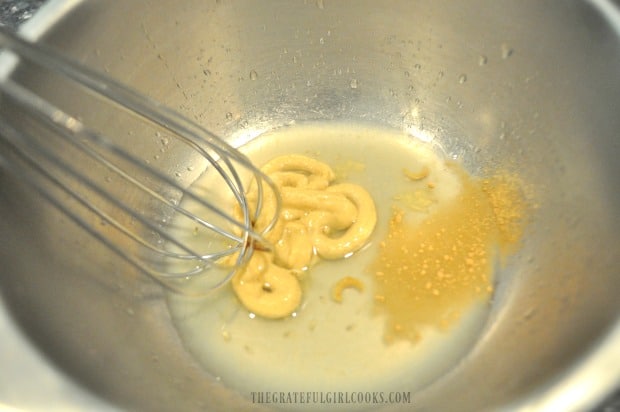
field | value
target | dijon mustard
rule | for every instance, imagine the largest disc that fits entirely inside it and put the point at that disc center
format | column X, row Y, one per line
column 318, row 219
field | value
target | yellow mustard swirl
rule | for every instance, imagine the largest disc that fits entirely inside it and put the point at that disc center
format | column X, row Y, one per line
column 317, row 219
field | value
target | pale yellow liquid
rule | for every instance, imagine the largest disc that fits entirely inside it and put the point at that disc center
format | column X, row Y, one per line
column 329, row 346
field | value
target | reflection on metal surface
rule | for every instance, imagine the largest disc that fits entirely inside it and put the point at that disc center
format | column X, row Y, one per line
column 541, row 92
column 28, row 381
column 610, row 11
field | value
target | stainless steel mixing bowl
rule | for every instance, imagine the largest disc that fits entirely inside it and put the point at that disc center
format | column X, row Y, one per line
column 532, row 85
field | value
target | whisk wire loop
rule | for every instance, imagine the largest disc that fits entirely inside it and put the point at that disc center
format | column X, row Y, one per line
column 34, row 128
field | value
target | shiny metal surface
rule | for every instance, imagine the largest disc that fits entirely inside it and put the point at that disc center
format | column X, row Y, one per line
column 67, row 155
column 531, row 85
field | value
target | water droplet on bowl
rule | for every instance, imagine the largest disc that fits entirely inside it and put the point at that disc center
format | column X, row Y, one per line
column 507, row 51
column 462, row 78
column 353, row 83
column 253, row 75
column 229, row 116
column 482, row 60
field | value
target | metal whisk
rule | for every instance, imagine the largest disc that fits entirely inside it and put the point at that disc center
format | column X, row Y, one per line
column 93, row 148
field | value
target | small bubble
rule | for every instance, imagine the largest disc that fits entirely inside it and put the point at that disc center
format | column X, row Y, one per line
column 417, row 66
column 190, row 168
column 206, row 72
column 507, row 51
column 322, row 40
column 178, row 174
column 407, row 74
column 253, row 75
column 482, row 60
column 229, row 116
column 165, row 141
column 462, row 78
column 353, row 83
